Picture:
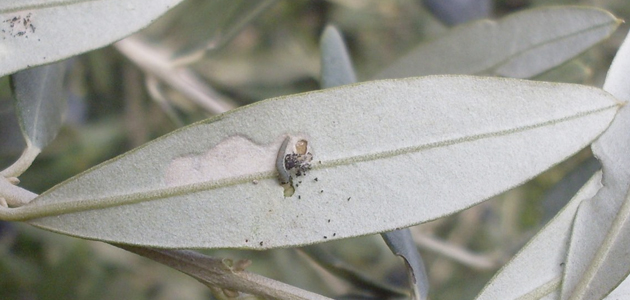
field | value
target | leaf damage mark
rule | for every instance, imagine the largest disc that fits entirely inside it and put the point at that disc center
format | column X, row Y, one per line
column 234, row 157
column 238, row 157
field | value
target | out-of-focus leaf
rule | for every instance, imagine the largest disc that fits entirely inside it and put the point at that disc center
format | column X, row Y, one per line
column 402, row 244
column 37, row 32
column 536, row 270
column 198, row 26
column 454, row 12
column 520, row 45
column 393, row 154
column 598, row 259
column 336, row 64
column 40, row 102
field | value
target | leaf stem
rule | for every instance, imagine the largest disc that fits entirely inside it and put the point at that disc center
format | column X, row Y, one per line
column 23, row 163
column 213, row 272
column 13, row 195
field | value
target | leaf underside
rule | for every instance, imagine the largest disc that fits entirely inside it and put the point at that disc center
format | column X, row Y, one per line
column 389, row 154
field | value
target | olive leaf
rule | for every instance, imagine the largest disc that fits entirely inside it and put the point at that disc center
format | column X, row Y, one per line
column 336, row 65
column 40, row 104
column 597, row 259
column 402, row 244
column 521, row 45
column 40, row 32
column 520, row 277
column 393, row 154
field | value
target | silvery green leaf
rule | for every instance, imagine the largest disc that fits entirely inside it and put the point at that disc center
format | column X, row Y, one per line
column 597, row 260
column 520, row 45
column 40, row 102
column 37, row 32
column 402, row 244
column 393, row 154
column 336, row 66
column 536, row 271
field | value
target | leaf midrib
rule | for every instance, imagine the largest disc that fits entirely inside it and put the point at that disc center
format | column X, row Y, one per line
column 35, row 210
column 42, row 4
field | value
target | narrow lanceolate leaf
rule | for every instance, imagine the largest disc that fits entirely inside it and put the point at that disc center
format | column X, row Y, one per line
column 403, row 245
column 597, row 261
column 553, row 35
column 453, row 12
column 336, row 66
column 40, row 102
column 394, row 153
column 39, row 32
column 536, row 271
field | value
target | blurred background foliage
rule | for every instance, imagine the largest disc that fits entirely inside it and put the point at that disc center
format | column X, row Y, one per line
column 246, row 51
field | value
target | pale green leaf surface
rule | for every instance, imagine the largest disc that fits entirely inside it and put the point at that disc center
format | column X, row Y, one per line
column 597, row 260
column 40, row 102
column 394, row 153
column 536, row 271
column 37, row 32
column 520, row 45
column 335, row 61
column 199, row 26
